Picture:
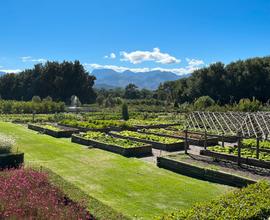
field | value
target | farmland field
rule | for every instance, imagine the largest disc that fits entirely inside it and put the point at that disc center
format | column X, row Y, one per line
column 131, row 186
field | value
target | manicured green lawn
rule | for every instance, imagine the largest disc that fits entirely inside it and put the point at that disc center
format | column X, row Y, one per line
column 131, row 186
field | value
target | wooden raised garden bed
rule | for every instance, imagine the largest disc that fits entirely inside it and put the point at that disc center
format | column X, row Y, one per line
column 233, row 158
column 84, row 129
column 11, row 160
column 141, row 151
column 202, row 173
column 63, row 132
column 178, row 146
column 154, row 126
column 191, row 140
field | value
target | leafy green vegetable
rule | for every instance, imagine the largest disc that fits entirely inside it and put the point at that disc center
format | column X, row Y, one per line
column 150, row 137
column 107, row 139
column 245, row 152
column 265, row 144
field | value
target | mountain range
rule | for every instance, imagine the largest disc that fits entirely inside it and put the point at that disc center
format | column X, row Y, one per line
column 108, row 78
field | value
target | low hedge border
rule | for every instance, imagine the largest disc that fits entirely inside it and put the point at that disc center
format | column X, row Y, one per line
column 249, row 203
column 142, row 151
column 233, row 158
column 157, row 145
column 11, row 160
column 202, row 173
column 192, row 141
column 65, row 133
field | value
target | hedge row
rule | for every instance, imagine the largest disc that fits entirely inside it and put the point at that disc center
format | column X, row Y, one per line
column 252, row 202
column 18, row 107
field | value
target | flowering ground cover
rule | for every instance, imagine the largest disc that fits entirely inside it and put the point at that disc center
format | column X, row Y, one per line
column 28, row 194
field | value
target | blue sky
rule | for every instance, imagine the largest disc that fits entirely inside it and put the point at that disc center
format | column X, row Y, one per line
column 181, row 35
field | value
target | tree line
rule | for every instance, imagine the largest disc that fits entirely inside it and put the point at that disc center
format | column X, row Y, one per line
column 58, row 80
column 225, row 84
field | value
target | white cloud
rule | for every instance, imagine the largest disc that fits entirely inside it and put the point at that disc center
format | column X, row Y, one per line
column 178, row 71
column 111, row 56
column 11, row 70
column 194, row 62
column 31, row 59
column 138, row 56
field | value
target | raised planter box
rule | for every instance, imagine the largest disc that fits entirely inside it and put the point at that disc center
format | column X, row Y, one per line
column 11, row 160
column 65, row 132
column 229, row 139
column 192, row 141
column 82, row 129
column 127, row 152
column 203, row 173
column 233, row 158
column 157, row 145
column 154, row 126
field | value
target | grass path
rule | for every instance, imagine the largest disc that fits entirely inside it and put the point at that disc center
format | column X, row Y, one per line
column 130, row 186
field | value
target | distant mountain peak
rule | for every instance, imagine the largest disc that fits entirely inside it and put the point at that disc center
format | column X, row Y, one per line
column 149, row 80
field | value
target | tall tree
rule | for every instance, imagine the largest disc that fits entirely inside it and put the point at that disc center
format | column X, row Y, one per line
column 57, row 80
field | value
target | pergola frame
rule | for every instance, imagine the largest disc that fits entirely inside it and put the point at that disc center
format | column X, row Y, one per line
column 245, row 125
column 238, row 124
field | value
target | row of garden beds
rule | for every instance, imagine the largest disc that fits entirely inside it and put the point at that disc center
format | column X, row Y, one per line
column 126, row 144
column 139, row 151
column 193, row 139
column 174, row 144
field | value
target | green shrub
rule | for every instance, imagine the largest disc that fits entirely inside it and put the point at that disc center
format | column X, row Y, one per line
column 203, row 102
column 36, row 99
column 6, row 144
column 252, row 202
column 247, row 105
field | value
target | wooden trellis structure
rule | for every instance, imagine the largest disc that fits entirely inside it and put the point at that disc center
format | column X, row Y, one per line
column 238, row 124
column 245, row 125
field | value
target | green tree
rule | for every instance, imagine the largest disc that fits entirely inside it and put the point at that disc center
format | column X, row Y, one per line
column 57, row 80
column 125, row 114
column 132, row 92
column 100, row 99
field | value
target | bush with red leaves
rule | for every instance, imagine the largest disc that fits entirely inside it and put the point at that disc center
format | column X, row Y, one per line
column 27, row 194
